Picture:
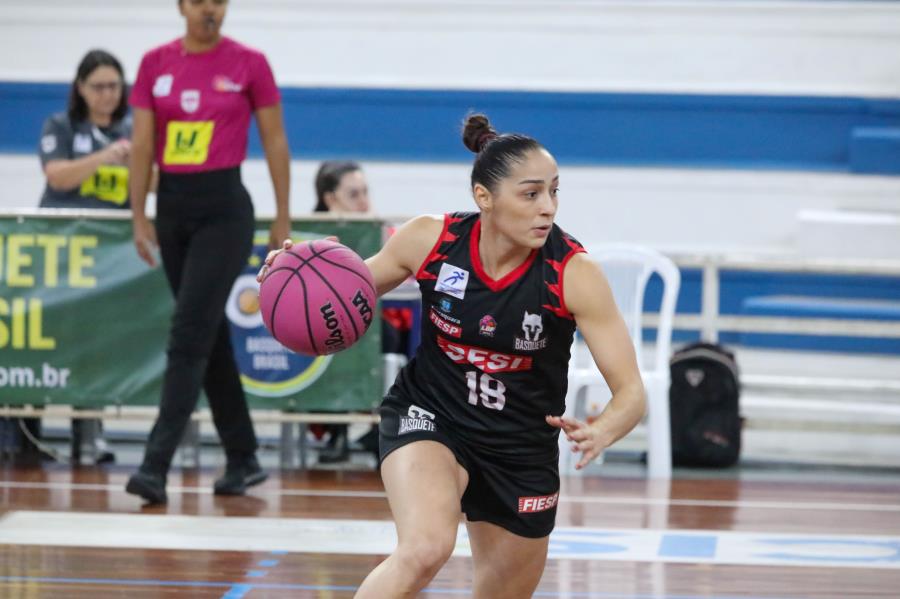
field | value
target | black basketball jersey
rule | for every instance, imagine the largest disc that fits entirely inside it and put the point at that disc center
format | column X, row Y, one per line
column 494, row 355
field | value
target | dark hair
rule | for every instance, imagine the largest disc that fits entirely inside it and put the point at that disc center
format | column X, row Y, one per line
column 495, row 153
column 329, row 177
column 78, row 110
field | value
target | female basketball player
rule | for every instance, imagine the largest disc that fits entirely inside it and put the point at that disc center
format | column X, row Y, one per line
column 472, row 421
column 192, row 102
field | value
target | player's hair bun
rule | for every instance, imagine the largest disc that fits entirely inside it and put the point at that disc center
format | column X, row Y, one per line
column 477, row 132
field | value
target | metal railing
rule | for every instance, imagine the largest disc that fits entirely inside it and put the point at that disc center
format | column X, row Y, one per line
column 710, row 322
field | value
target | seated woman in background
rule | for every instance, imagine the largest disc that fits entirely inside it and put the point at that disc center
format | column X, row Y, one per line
column 84, row 151
column 341, row 188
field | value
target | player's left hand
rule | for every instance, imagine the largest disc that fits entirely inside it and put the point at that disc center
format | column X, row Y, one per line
column 584, row 437
column 270, row 257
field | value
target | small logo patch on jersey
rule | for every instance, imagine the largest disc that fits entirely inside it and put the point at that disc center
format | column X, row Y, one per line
column 530, row 505
column 190, row 100
column 162, row 87
column 487, row 325
column 532, row 326
column 417, row 419
column 484, row 360
column 222, row 83
column 452, row 280
column 445, row 304
column 48, row 143
column 454, row 330
column 82, row 143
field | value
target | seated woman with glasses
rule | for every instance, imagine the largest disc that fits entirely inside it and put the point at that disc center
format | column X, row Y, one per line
column 84, row 151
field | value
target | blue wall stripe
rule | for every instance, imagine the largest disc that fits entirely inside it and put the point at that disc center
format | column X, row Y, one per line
column 737, row 287
column 806, row 133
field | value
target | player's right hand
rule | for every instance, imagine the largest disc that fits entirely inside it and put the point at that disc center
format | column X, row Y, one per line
column 270, row 257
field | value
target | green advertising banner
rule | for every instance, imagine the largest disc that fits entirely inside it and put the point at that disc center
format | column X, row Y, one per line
column 83, row 321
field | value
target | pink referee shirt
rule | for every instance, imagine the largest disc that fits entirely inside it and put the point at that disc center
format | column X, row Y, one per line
column 203, row 102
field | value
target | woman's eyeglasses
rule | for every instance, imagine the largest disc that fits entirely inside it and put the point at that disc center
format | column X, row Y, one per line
column 112, row 86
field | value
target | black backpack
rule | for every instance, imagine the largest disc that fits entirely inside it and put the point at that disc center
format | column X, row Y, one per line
column 704, row 406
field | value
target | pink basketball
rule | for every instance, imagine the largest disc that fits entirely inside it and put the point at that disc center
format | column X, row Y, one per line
column 318, row 298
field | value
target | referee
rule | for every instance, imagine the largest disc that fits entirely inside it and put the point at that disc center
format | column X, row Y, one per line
column 192, row 101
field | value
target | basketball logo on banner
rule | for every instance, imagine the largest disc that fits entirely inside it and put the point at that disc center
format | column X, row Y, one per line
column 267, row 368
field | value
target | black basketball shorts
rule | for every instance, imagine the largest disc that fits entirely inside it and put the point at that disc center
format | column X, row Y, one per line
column 519, row 495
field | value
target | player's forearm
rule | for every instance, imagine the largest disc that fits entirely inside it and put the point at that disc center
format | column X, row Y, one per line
column 623, row 412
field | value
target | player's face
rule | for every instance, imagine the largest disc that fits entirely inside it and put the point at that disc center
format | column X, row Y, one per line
column 526, row 201
column 102, row 91
column 204, row 18
column 351, row 194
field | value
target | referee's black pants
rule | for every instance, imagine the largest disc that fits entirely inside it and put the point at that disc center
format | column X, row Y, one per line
column 205, row 228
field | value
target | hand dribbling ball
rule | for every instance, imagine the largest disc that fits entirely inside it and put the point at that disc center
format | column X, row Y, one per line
column 317, row 297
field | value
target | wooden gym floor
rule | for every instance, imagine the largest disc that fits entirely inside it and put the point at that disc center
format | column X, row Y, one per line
column 72, row 532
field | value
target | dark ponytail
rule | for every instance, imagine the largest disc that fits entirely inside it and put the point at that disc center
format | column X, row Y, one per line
column 495, row 154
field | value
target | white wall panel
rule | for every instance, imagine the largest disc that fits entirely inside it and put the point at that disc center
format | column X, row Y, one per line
column 700, row 46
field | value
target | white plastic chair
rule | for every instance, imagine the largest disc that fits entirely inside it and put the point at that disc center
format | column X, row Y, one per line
column 628, row 269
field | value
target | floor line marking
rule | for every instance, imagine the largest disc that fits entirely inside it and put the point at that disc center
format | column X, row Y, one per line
column 586, row 499
column 378, row 537
column 323, row 587
column 238, row 591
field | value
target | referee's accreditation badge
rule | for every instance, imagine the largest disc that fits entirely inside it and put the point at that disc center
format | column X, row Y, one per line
column 187, row 142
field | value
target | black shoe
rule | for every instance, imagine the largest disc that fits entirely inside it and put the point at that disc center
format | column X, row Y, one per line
column 338, row 448
column 238, row 476
column 105, row 457
column 152, row 487
column 102, row 454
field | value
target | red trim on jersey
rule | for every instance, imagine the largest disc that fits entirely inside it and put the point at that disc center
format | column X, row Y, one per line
column 510, row 277
column 558, row 289
column 433, row 255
